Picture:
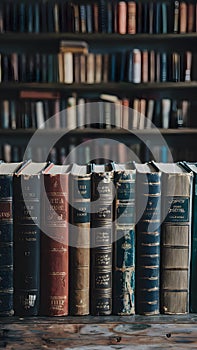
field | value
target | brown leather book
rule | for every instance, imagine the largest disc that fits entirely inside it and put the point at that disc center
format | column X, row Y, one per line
column 175, row 238
column 190, row 18
column 122, row 17
column 54, row 241
column 145, row 66
column 183, row 17
column 79, row 239
column 131, row 26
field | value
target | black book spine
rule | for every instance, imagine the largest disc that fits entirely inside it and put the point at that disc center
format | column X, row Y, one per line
column 26, row 245
column 148, row 243
column 101, row 243
column 6, row 246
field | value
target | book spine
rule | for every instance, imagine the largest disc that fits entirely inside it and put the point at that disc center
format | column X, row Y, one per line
column 6, row 246
column 175, row 241
column 122, row 17
column 54, row 245
column 124, row 245
column 26, row 245
column 80, row 245
column 148, row 243
column 101, row 243
column 193, row 279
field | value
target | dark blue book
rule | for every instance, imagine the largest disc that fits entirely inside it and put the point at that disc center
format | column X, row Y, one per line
column 15, row 16
column 50, row 17
column 37, row 18
column 103, row 11
column 30, row 18
column 113, row 67
column 7, row 171
column 26, row 218
column 157, row 18
column 148, row 215
column 124, row 240
column 22, row 17
column 89, row 23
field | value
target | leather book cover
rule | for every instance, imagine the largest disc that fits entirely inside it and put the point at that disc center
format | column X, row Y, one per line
column 148, row 213
column 54, row 241
column 6, row 238
column 79, row 239
column 175, row 238
column 101, row 239
column 26, row 202
column 193, row 275
column 124, row 242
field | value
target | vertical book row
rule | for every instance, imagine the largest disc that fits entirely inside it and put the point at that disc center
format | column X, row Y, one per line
column 97, row 239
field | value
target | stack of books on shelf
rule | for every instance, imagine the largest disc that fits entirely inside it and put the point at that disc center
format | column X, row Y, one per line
column 97, row 239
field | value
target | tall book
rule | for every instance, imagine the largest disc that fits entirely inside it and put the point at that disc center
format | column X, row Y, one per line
column 193, row 275
column 124, row 240
column 101, row 239
column 79, row 239
column 54, row 240
column 7, row 171
column 26, row 217
column 175, row 237
column 148, row 213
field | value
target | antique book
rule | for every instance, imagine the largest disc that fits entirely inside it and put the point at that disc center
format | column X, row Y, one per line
column 175, row 237
column 122, row 17
column 26, row 218
column 79, row 239
column 54, row 240
column 102, row 229
column 124, row 240
column 7, row 171
column 131, row 25
column 148, row 210
column 193, row 275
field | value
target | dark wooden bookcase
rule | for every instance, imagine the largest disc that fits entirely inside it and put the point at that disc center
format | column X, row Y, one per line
column 99, row 332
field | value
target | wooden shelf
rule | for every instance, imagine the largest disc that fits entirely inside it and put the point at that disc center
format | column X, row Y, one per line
column 97, row 42
column 121, row 89
column 64, row 137
column 100, row 333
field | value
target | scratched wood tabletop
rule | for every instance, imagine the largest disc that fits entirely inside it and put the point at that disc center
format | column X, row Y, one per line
column 99, row 333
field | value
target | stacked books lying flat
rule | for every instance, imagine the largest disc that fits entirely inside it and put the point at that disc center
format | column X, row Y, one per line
column 97, row 239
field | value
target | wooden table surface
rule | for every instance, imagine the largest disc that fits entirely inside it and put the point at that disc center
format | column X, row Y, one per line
column 99, row 333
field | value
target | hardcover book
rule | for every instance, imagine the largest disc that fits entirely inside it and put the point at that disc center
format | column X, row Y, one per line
column 7, row 171
column 193, row 280
column 175, row 238
column 148, row 204
column 26, row 201
column 54, row 240
column 102, row 229
column 124, row 240
column 79, row 239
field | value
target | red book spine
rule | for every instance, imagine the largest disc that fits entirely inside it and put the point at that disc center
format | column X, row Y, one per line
column 54, row 246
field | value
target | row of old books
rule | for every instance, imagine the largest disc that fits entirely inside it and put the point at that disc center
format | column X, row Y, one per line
column 51, row 111
column 135, row 66
column 101, row 16
column 100, row 239
column 124, row 17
